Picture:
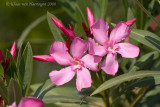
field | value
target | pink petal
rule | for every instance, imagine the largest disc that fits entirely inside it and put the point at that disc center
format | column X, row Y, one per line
column 90, row 17
column 96, row 49
column 83, row 79
column 70, row 27
column 128, row 50
column 78, row 47
column 13, row 50
column 66, row 31
column 119, row 32
column 13, row 105
column 91, row 62
column 31, row 102
column 63, row 76
column 110, row 65
column 69, row 33
column 100, row 31
column 44, row 58
column 2, row 59
column 131, row 22
column 59, row 52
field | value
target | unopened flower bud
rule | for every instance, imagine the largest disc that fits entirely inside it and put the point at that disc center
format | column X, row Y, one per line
column 13, row 50
column 131, row 22
column 44, row 58
column 90, row 17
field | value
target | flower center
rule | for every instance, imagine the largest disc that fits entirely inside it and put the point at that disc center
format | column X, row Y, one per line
column 77, row 64
column 112, row 48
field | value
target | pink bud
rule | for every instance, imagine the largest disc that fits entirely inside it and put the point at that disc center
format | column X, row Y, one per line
column 44, row 58
column 131, row 22
column 58, row 23
column 84, row 27
column 90, row 17
column 66, row 31
column 67, row 44
column 70, row 27
column 1, row 57
column 13, row 50
column 69, row 33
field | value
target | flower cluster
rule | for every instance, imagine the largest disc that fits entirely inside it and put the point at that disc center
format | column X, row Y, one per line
column 88, row 55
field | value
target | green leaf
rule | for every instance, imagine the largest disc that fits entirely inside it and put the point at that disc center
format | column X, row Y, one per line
column 55, row 31
column 14, row 92
column 11, row 71
column 81, row 15
column 43, row 89
column 123, row 78
column 147, row 38
column 64, row 101
column 138, row 83
column 125, row 5
column 69, row 7
column 131, row 16
column 141, row 17
column 81, row 5
column 25, row 69
column 144, row 60
column 147, row 81
column 29, row 28
column 143, row 9
column 3, row 92
column 151, row 98
column 103, row 8
column 79, row 23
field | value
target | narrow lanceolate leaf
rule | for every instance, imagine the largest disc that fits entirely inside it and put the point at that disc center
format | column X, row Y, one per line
column 103, row 8
column 138, row 83
column 147, row 38
column 144, row 60
column 43, row 89
column 14, row 92
column 69, row 7
column 3, row 91
column 131, row 16
column 26, row 69
column 147, row 81
column 55, row 31
column 125, row 5
column 123, row 78
column 81, row 5
column 11, row 71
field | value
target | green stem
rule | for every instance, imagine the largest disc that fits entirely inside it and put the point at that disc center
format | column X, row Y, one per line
column 104, row 93
column 141, row 6
column 141, row 92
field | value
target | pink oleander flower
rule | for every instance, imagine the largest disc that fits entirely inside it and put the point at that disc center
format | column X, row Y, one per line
column 68, row 32
column 77, row 63
column 110, row 45
column 29, row 102
column 44, row 58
